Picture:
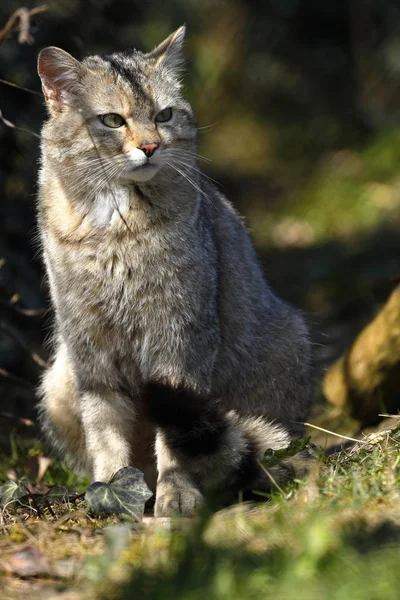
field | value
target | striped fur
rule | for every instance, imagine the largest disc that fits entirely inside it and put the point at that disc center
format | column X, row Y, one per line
column 171, row 351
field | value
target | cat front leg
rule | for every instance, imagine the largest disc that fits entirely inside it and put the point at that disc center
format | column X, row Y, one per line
column 107, row 419
column 176, row 492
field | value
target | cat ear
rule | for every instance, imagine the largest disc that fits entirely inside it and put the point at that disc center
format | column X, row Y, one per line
column 169, row 53
column 60, row 74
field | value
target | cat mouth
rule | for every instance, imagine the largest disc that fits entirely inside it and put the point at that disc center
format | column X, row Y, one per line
column 142, row 172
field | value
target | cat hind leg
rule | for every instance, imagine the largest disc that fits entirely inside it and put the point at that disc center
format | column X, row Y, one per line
column 59, row 413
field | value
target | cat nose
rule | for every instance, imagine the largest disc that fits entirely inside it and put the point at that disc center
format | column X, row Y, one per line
column 149, row 149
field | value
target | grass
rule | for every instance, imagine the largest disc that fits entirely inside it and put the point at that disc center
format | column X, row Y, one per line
column 334, row 535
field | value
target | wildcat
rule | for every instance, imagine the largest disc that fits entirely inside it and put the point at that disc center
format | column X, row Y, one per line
column 171, row 351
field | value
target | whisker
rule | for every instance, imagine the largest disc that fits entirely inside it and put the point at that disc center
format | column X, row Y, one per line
column 173, row 153
column 96, row 181
column 189, row 166
column 207, row 126
column 189, row 153
column 189, row 180
column 110, row 188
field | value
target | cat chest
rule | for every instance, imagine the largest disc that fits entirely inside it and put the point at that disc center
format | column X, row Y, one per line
column 118, row 302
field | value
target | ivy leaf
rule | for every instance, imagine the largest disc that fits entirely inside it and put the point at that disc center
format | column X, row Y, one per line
column 125, row 494
column 59, row 492
column 274, row 457
column 12, row 491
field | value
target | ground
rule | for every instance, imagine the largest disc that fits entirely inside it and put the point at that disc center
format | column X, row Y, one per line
column 333, row 535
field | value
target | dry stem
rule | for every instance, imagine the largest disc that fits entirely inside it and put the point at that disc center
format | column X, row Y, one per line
column 20, row 21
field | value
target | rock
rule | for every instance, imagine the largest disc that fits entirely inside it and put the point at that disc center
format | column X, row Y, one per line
column 365, row 381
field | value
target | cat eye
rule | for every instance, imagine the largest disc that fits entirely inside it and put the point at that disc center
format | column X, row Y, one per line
column 164, row 116
column 112, row 120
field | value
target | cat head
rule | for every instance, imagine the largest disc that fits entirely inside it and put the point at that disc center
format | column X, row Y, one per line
column 118, row 117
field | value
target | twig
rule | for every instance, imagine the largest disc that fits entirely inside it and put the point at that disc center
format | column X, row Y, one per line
column 32, row 499
column 272, row 479
column 344, row 437
column 35, row 357
column 22, row 420
column 9, row 124
column 48, row 506
column 26, row 312
column 21, row 20
column 21, row 87
column 15, row 378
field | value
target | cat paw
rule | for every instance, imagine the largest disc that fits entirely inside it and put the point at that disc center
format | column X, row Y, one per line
column 182, row 501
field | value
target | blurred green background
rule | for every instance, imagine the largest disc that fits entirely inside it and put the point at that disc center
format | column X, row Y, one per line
column 298, row 103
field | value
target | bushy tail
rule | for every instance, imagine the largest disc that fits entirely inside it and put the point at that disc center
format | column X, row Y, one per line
column 220, row 449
